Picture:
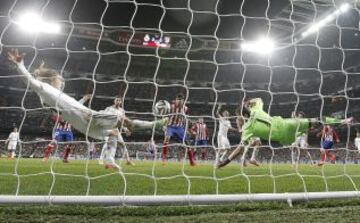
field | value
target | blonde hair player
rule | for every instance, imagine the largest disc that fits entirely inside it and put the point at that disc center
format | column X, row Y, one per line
column 95, row 124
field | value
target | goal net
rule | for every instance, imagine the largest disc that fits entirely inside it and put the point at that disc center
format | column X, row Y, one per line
column 297, row 56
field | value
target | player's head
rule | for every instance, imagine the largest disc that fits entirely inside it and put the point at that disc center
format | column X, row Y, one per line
column 49, row 76
column 243, row 109
column 201, row 120
column 15, row 129
column 225, row 113
column 357, row 134
column 179, row 100
column 118, row 102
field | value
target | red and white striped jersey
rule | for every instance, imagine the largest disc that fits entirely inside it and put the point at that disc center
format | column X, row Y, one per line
column 60, row 123
column 200, row 131
column 329, row 134
column 177, row 115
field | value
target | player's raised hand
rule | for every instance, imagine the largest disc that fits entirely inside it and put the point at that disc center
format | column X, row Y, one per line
column 87, row 97
column 15, row 57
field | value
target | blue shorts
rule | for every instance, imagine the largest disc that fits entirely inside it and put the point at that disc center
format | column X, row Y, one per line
column 63, row 136
column 177, row 132
column 201, row 143
column 327, row 144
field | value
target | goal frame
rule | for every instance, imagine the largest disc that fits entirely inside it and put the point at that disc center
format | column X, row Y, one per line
column 176, row 200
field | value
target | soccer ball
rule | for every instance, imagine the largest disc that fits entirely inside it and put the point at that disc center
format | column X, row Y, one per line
column 162, row 107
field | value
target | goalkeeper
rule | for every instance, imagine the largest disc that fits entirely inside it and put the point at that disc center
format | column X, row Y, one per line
column 282, row 130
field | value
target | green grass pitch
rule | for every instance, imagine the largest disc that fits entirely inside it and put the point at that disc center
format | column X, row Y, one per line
column 33, row 177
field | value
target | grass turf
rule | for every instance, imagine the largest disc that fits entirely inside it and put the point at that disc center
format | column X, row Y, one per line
column 33, row 177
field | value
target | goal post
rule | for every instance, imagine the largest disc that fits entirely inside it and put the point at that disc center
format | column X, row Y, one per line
column 178, row 200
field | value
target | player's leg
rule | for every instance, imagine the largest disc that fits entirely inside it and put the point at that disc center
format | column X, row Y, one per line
column 9, row 148
column 180, row 134
column 325, row 145
column 168, row 134
column 48, row 150
column 110, row 158
column 68, row 137
column 122, row 144
column 138, row 125
column 304, row 146
column 255, row 144
column 232, row 156
column 103, row 151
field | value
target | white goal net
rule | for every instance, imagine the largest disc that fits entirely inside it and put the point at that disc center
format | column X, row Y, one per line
column 298, row 57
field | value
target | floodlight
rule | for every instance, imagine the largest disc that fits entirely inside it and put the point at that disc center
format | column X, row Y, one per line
column 32, row 22
column 262, row 46
column 316, row 26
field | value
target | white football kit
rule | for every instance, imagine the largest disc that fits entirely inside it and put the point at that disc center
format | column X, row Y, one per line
column 300, row 141
column 223, row 141
column 95, row 124
column 357, row 143
column 13, row 140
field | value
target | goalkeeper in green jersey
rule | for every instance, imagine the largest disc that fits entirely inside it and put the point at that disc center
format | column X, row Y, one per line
column 282, row 130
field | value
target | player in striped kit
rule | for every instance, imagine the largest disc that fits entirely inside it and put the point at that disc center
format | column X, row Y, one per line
column 176, row 128
column 63, row 133
column 328, row 137
column 200, row 131
column 12, row 141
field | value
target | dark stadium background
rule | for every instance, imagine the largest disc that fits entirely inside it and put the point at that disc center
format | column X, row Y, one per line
column 300, row 77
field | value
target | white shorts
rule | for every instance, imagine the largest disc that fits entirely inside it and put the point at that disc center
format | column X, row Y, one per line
column 300, row 142
column 11, row 146
column 223, row 142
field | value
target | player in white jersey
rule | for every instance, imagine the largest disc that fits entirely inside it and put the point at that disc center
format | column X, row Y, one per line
column 11, row 142
column 301, row 142
column 109, row 151
column 357, row 141
column 357, row 145
column 116, row 108
column 222, row 138
column 48, row 85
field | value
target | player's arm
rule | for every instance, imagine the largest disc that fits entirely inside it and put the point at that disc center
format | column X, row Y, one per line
column 218, row 111
column 126, row 131
column 84, row 99
column 18, row 60
column 207, row 133
column 336, row 137
column 239, row 123
column 8, row 139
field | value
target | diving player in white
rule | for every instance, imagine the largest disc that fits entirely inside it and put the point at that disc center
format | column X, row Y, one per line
column 96, row 124
column 222, row 139
column 12, row 142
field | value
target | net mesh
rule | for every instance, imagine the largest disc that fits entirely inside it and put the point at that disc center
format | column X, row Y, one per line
column 102, row 50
